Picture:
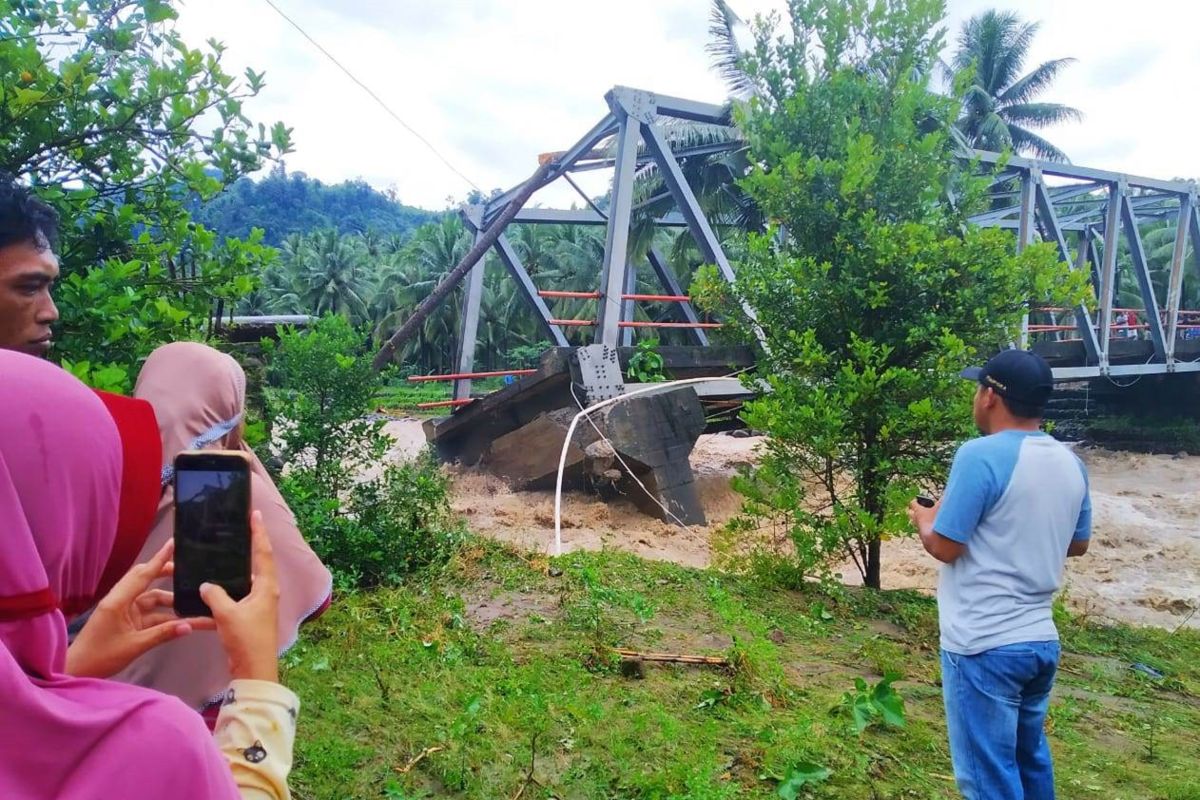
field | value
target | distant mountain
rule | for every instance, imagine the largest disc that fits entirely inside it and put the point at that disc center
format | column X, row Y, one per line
column 282, row 204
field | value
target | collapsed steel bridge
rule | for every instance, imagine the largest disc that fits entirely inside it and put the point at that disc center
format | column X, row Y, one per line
column 1088, row 214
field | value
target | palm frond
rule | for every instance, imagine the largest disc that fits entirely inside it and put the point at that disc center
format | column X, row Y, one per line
column 723, row 48
column 1026, row 142
column 1029, row 86
column 1039, row 115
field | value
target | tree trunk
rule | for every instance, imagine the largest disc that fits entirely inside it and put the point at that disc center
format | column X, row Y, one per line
column 871, row 579
column 873, row 486
column 455, row 276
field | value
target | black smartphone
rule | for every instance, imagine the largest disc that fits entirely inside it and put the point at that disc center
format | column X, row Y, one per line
column 926, row 500
column 212, row 527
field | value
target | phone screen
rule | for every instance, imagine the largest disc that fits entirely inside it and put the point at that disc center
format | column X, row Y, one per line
column 212, row 528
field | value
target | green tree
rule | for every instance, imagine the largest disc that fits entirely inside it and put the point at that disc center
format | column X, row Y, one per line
column 881, row 291
column 370, row 521
column 123, row 127
column 1000, row 109
column 333, row 274
column 283, row 204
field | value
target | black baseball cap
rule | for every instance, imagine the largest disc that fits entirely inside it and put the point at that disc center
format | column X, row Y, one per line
column 1017, row 375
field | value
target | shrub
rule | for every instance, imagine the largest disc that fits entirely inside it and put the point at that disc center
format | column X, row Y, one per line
column 369, row 529
column 384, row 529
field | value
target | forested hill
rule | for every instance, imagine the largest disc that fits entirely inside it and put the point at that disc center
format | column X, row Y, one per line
column 284, row 204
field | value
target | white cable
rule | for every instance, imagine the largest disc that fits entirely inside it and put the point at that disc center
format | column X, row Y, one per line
column 562, row 458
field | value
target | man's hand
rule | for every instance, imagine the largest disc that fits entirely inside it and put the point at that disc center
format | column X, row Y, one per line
column 938, row 546
column 131, row 620
column 249, row 628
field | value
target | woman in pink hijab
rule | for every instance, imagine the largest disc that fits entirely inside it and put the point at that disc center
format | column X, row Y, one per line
column 79, row 738
column 199, row 398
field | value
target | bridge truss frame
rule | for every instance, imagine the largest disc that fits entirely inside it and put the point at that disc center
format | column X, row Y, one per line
column 1099, row 210
column 1085, row 212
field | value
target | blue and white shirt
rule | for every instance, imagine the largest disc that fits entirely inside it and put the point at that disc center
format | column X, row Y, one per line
column 1016, row 499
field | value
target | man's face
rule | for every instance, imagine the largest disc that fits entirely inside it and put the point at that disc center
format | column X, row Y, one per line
column 27, row 311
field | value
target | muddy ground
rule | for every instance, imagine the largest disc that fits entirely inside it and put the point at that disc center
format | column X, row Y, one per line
column 1143, row 566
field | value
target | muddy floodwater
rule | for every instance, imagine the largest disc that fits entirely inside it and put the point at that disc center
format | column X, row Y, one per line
column 1143, row 566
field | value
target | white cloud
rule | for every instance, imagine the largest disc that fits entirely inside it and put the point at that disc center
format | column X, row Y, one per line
column 492, row 83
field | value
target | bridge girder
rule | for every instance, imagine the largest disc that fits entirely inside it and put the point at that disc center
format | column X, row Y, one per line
column 1088, row 214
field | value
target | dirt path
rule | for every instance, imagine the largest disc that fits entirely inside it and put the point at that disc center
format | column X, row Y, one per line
column 1144, row 566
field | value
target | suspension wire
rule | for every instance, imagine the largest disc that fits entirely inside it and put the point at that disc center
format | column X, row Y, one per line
column 374, row 96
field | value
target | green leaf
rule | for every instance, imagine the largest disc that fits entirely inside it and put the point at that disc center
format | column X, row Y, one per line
column 889, row 702
column 159, row 11
column 802, row 775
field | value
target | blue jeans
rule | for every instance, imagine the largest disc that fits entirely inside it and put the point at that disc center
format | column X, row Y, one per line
column 996, row 705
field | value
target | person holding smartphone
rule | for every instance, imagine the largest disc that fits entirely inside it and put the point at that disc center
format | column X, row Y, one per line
column 198, row 395
column 68, row 732
column 1015, row 507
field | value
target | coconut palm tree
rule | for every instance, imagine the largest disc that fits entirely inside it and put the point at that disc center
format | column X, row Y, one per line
column 334, row 276
column 1000, row 109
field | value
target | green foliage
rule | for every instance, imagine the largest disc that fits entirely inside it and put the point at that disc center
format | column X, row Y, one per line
column 369, row 529
column 320, row 385
column 803, row 774
column 383, row 529
column 283, row 205
column 526, row 356
column 881, row 291
column 646, row 364
column 390, row 674
column 100, row 110
column 880, row 702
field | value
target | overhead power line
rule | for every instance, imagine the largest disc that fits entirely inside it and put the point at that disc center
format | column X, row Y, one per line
column 374, row 96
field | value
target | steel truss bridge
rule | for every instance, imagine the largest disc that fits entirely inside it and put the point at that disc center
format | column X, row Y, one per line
column 1090, row 215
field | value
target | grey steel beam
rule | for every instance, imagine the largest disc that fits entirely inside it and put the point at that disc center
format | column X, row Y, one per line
column 671, row 285
column 1094, row 258
column 627, row 306
column 468, row 329
column 1108, row 267
column 1012, row 225
column 1025, row 229
column 1025, row 221
column 685, row 198
column 1141, row 269
column 1086, row 259
column 508, row 256
column 1144, row 205
column 1083, row 319
column 1175, row 283
column 601, row 129
column 684, row 152
column 1057, row 194
column 1082, row 173
column 678, row 107
column 583, row 216
column 1122, row 370
column 616, row 245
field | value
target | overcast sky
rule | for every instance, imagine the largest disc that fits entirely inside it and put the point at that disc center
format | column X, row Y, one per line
column 492, row 83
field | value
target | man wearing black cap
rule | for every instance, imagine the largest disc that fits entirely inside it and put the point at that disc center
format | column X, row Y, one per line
column 1015, row 506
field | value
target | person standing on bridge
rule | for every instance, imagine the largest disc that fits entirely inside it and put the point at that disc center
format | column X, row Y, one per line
column 1015, row 507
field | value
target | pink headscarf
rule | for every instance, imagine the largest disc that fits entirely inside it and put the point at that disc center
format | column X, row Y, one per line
column 63, row 737
column 199, row 396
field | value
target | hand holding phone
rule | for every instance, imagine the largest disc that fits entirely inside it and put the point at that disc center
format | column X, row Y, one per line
column 130, row 620
column 926, row 501
column 249, row 628
column 212, row 527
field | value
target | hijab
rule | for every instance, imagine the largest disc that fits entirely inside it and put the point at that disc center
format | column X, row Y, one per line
column 65, row 737
column 199, row 397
